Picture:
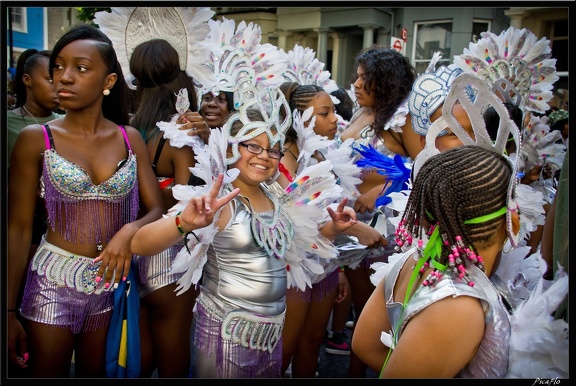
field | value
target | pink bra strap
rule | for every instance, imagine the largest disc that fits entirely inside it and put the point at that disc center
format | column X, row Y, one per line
column 125, row 137
column 46, row 137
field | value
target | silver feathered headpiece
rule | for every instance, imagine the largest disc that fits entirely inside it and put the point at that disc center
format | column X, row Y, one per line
column 514, row 64
column 272, row 105
column 304, row 68
column 239, row 63
column 483, row 98
column 185, row 28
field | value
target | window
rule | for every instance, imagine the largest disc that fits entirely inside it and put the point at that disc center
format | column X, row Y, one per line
column 478, row 27
column 432, row 37
column 19, row 21
column 558, row 36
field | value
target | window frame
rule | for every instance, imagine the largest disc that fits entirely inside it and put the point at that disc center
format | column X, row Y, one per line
column 418, row 25
column 23, row 25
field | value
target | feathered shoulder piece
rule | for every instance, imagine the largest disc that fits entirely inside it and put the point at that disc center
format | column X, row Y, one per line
column 210, row 162
column 515, row 64
column 398, row 119
column 305, row 200
column 339, row 153
column 539, row 343
column 304, row 68
column 185, row 28
column 239, row 61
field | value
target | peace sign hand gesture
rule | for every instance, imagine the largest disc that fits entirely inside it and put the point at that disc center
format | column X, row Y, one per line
column 199, row 212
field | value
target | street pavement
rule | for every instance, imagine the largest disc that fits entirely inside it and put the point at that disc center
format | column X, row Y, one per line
column 329, row 365
column 336, row 366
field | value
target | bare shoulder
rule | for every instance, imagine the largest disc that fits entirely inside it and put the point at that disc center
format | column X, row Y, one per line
column 31, row 139
column 135, row 138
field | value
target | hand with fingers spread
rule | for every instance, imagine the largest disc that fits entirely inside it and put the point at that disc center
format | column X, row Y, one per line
column 155, row 237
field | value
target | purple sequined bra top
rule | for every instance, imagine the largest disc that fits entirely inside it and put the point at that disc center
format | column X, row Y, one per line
column 81, row 211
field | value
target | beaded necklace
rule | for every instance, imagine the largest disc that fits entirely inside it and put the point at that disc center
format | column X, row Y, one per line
column 274, row 236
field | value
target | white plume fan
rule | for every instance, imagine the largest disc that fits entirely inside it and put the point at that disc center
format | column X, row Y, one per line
column 514, row 64
column 185, row 28
column 239, row 62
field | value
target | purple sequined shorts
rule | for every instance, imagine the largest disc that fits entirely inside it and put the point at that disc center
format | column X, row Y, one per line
column 154, row 271
column 51, row 297
column 318, row 291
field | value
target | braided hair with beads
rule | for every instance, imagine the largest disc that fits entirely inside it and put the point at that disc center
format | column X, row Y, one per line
column 462, row 194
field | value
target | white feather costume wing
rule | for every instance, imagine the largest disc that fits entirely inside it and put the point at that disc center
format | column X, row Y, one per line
column 539, row 344
column 340, row 155
column 308, row 141
column 306, row 199
column 185, row 28
column 531, row 203
column 345, row 169
column 209, row 164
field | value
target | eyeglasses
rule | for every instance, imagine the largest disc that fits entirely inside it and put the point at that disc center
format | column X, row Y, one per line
column 257, row 149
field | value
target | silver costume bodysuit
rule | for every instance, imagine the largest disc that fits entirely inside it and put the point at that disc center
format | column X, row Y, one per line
column 239, row 313
column 491, row 359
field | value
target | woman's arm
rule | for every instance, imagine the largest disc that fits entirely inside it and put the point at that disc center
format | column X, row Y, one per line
column 25, row 170
column 439, row 341
column 117, row 255
column 155, row 237
column 372, row 321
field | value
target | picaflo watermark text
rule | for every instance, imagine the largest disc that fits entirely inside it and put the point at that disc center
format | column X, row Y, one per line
column 546, row 381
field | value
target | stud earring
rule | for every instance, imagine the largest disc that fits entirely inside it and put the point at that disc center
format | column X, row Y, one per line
column 106, row 92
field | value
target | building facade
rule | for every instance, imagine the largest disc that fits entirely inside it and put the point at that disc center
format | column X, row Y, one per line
column 337, row 34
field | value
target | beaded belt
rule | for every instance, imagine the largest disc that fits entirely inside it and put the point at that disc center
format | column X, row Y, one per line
column 67, row 269
column 257, row 332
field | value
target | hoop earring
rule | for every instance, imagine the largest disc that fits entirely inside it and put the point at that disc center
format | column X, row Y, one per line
column 509, row 249
column 106, row 92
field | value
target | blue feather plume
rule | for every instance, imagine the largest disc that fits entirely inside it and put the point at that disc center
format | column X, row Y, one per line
column 393, row 169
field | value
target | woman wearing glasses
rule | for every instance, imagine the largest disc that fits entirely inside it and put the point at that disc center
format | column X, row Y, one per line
column 249, row 242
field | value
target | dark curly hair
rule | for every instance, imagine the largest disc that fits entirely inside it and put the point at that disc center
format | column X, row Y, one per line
column 388, row 75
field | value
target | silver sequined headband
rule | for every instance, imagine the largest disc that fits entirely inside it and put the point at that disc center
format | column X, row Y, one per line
column 428, row 92
column 271, row 103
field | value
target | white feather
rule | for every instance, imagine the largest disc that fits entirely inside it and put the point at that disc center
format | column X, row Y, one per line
column 185, row 28
column 539, row 344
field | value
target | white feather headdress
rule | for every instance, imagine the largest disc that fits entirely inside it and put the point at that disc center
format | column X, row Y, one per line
column 463, row 87
column 185, row 28
column 304, row 68
column 271, row 103
column 239, row 62
column 515, row 64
